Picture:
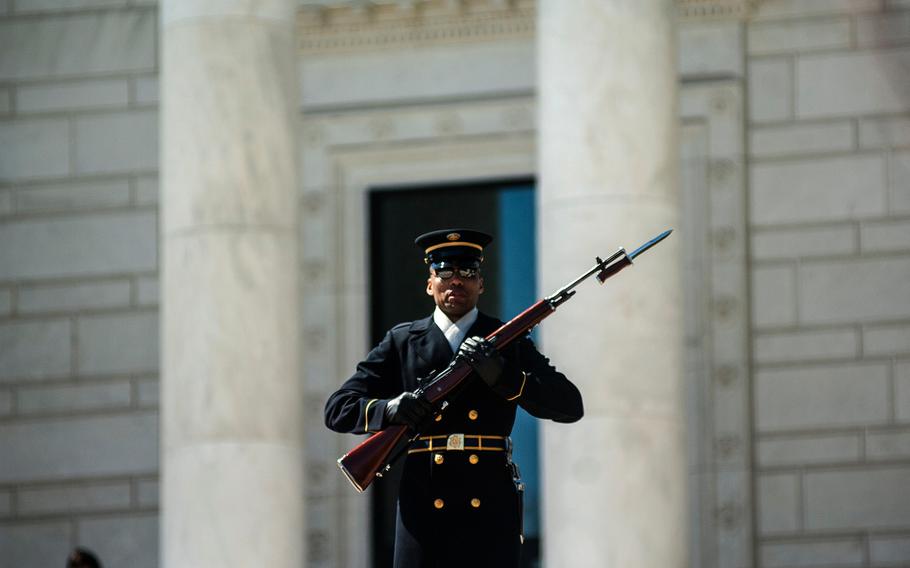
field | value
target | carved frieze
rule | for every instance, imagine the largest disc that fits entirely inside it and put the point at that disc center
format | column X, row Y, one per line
column 356, row 25
column 715, row 9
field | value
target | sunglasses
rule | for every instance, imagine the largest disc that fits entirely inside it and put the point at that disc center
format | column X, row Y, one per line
column 463, row 273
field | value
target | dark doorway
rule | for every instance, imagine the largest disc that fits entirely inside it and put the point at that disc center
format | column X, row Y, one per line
column 503, row 208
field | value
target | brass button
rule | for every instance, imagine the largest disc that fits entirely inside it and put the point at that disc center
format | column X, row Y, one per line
column 438, row 417
column 439, row 503
column 475, row 502
column 473, row 458
column 438, row 458
column 472, row 415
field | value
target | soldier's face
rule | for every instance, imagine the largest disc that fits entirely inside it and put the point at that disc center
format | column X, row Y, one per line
column 455, row 296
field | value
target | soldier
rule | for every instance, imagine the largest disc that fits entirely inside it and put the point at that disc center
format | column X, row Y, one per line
column 459, row 501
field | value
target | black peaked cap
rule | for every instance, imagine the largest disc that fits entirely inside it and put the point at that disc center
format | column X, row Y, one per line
column 463, row 246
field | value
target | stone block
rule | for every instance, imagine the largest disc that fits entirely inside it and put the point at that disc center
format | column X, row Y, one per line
column 6, row 503
column 770, row 89
column 79, row 245
column 73, row 196
column 710, row 48
column 890, row 550
column 33, row 148
column 147, row 192
column 53, row 449
column 6, row 104
column 148, row 392
column 35, row 545
column 822, row 396
column 123, row 540
column 899, row 168
column 806, row 346
column 768, row 9
column 475, row 120
column 853, row 83
column 841, row 553
column 35, row 349
column 6, row 202
column 807, row 450
column 36, row 6
column 118, row 343
column 147, row 492
column 857, row 499
column 892, row 444
column 805, row 242
column 6, row 402
column 75, row 95
column 69, row 398
column 773, row 295
column 147, row 291
column 74, row 297
column 886, row 339
column 484, row 69
column 885, row 236
column 902, row 390
column 854, row 290
column 889, row 132
column 75, row 498
column 877, row 30
column 824, row 189
column 147, row 90
column 6, row 301
column 778, row 503
column 801, row 139
column 108, row 41
column 126, row 141
column 795, row 36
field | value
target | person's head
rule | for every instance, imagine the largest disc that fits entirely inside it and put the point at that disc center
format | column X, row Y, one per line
column 82, row 558
column 454, row 257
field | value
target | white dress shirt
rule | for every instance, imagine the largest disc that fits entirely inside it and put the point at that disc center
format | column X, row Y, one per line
column 455, row 332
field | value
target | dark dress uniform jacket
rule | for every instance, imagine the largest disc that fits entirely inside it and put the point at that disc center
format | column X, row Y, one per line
column 460, row 509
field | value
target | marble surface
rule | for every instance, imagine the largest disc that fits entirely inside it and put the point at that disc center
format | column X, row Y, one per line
column 232, row 400
column 614, row 490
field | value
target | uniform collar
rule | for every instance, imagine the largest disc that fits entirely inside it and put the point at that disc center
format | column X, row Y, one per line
column 443, row 322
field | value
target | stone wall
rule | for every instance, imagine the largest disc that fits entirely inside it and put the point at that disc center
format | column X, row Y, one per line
column 829, row 176
column 78, row 281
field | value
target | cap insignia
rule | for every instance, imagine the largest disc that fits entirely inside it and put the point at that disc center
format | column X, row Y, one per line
column 453, row 236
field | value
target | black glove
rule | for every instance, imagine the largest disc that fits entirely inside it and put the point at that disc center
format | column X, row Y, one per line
column 481, row 355
column 408, row 409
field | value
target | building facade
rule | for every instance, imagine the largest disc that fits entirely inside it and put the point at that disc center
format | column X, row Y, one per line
column 794, row 240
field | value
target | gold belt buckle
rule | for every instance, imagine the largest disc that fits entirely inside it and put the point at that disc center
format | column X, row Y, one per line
column 455, row 442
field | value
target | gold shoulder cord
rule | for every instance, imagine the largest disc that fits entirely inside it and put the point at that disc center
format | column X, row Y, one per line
column 524, row 379
column 366, row 415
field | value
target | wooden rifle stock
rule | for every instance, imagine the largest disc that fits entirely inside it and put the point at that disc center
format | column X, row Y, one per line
column 371, row 457
column 363, row 463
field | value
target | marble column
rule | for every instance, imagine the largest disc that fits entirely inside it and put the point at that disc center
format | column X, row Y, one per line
column 232, row 455
column 614, row 483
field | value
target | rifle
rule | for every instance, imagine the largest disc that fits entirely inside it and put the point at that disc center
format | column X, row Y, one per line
column 370, row 459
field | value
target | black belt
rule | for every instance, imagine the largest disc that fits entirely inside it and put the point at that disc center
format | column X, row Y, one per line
column 459, row 442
